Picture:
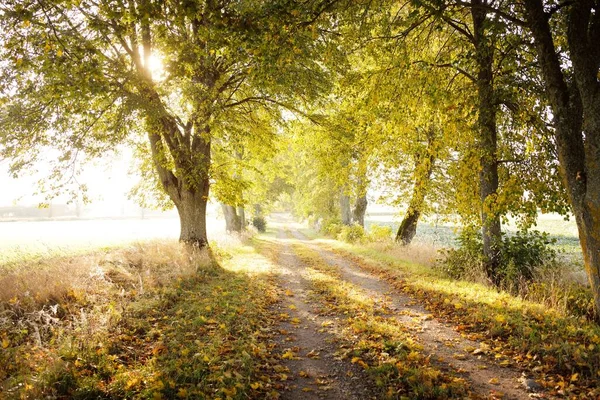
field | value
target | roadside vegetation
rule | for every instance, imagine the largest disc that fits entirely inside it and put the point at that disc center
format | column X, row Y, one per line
column 545, row 326
column 150, row 320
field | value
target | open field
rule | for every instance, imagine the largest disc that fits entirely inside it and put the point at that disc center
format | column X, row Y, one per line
column 445, row 234
column 33, row 240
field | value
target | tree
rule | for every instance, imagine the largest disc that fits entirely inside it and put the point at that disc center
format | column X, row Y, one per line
column 78, row 76
column 573, row 90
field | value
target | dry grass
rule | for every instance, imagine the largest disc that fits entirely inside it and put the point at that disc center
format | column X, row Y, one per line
column 136, row 267
column 419, row 253
column 85, row 293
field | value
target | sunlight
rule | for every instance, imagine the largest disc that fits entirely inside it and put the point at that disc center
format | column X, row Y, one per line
column 155, row 65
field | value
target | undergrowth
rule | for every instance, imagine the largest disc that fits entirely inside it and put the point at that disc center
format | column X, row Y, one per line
column 154, row 320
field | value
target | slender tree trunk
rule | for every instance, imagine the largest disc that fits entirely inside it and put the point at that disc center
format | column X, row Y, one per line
column 359, row 210
column 232, row 219
column 242, row 216
column 576, row 111
column 345, row 213
column 408, row 226
column 423, row 169
column 488, row 142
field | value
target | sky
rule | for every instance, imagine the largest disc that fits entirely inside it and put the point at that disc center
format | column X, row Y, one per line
column 108, row 180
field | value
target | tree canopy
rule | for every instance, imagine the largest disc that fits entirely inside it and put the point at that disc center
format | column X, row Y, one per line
column 475, row 110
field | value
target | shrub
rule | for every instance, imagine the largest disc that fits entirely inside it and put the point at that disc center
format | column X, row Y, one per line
column 521, row 254
column 331, row 227
column 352, row 234
column 380, row 233
column 467, row 258
column 260, row 223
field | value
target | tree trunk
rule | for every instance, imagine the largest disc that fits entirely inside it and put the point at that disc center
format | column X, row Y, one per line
column 192, row 217
column 408, row 226
column 345, row 213
column 576, row 111
column 487, row 138
column 242, row 215
column 360, row 208
column 232, row 219
column 423, row 169
column 190, row 196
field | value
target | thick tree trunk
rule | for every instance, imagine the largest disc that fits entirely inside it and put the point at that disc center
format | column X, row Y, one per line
column 423, row 170
column 345, row 213
column 232, row 219
column 487, row 138
column 576, row 111
column 359, row 210
column 190, row 196
column 192, row 217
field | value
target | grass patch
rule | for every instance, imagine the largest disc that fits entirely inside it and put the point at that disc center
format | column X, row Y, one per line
column 564, row 351
column 154, row 320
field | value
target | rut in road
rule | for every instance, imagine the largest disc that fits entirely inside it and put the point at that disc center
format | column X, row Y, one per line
column 447, row 348
column 305, row 348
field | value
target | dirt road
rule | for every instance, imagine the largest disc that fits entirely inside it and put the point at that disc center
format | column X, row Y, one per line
column 316, row 348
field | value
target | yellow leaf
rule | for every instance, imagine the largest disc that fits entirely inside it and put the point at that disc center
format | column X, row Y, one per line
column 5, row 343
column 494, row 381
column 206, row 359
column 182, row 393
column 295, row 321
column 207, row 308
column 575, row 377
column 303, row 374
column 288, row 355
column 292, row 307
column 255, row 385
column 288, row 292
column 230, row 392
column 355, row 360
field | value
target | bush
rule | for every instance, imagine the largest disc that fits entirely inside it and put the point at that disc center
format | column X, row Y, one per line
column 260, row 223
column 331, row 227
column 380, row 233
column 352, row 234
column 462, row 262
column 521, row 254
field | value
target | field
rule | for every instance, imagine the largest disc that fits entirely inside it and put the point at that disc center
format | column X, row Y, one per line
column 430, row 232
column 34, row 240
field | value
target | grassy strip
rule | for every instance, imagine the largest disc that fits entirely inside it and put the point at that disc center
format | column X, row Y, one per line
column 380, row 344
column 563, row 351
column 184, row 325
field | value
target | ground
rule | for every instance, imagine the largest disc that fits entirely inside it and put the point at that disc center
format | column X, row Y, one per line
column 281, row 315
column 318, row 283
